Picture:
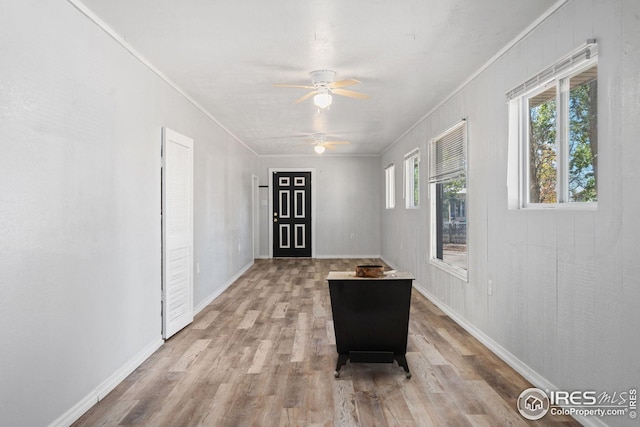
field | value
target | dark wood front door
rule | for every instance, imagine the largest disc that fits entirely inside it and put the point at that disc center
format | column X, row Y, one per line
column 291, row 214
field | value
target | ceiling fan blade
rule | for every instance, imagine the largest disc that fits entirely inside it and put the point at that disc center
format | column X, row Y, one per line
column 296, row 86
column 344, row 83
column 350, row 93
column 329, row 146
column 338, row 142
column 305, row 97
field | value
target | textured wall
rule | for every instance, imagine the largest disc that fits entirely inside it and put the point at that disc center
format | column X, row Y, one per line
column 565, row 283
column 80, row 131
column 348, row 201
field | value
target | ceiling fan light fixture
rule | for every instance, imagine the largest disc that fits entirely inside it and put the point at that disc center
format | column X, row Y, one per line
column 322, row 100
column 319, row 148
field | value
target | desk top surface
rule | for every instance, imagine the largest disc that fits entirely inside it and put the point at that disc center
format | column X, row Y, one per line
column 351, row 275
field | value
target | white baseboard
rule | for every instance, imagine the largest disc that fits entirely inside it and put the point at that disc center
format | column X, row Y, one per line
column 110, row 383
column 197, row 309
column 106, row 386
column 346, row 256
column 522, row 368
column 333, row 256
column 518, row 365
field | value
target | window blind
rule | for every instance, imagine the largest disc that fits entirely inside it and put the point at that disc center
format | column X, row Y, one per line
column 588, row 51
column 414, row 152
column 447, row 154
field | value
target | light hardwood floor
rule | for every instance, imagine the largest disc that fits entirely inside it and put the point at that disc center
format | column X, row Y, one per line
column 263, row 354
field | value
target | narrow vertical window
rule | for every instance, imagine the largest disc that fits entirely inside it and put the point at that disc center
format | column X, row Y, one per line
column 583, row 136
column 390, row 185
column 448, row 187
column 542, row 147
column 412, row 179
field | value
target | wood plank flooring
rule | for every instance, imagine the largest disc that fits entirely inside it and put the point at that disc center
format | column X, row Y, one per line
column 263, row 354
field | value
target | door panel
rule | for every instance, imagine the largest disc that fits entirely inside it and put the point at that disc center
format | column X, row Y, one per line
column 292, row 214
column 284, row 204
column 299, row 203
column 177, row 232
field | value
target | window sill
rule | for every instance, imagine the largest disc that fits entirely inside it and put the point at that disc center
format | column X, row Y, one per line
column 586, row 206
column 455, row 271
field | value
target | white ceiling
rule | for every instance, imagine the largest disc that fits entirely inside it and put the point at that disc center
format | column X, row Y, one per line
column 408, row 54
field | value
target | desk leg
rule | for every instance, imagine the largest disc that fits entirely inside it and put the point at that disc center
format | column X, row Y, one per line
column 402, row 361
column 342, row 360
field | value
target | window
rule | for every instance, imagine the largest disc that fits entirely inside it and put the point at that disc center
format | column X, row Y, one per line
column 412, row 179
column 448, row 188
column 554, row 122
column 390, row 186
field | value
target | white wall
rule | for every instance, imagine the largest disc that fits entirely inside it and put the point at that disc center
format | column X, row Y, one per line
column 223, row 240
column 566, row 284
column 80, row 132
column 348, row 201
column 80, row 126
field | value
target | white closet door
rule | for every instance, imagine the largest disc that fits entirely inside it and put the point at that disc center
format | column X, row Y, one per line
column 177, row 232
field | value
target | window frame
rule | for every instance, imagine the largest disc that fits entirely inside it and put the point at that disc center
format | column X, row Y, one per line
column 435, row 203
column 411, row 169
column 389, row 185
column 582, row 59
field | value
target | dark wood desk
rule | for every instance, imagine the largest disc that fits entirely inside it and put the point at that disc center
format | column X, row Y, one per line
column 370, row 318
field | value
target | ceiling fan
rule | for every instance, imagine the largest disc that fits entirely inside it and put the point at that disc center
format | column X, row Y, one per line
column 320, row 143
column 324, row 87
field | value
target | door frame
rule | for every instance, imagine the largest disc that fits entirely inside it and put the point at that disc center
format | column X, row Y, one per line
column 313, row 206
column 255, row 215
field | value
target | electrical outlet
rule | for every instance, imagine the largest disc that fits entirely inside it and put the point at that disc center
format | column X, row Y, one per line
column 490, row 287
column 353, row 236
